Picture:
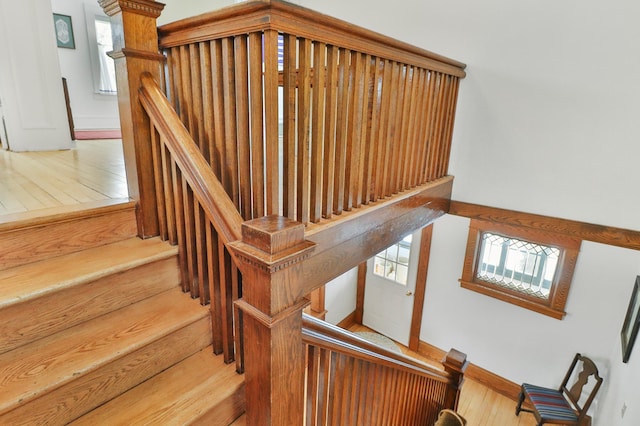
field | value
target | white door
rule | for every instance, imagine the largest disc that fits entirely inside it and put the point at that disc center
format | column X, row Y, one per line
column 30, row 81
column 390, row 287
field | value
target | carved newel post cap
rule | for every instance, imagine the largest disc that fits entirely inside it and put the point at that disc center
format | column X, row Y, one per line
column 273, row 234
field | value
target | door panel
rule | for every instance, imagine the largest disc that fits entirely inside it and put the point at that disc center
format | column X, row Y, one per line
column 388, row 305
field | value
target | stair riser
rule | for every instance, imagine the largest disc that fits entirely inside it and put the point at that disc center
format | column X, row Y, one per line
column 88, row 391
column 224, row 413
column 33, row 319
column 47, row 240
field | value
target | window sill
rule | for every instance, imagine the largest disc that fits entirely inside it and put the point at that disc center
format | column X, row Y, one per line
column 512, row 297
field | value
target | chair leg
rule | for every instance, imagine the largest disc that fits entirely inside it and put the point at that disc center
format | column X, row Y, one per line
column 520, row 401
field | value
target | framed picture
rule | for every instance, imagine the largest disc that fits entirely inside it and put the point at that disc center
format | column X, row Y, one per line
column 631, row 322
column 64, row 31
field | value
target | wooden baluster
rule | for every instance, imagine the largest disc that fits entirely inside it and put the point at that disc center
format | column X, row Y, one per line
column 450, row 121
column 418, row 117
column 241, row 62
column 230, row 163
column 156, row 147
column 226, row 301
column 270, row 256
column 303, row 116
column 330, row 132
column 455, row 363
column 379, row 170
column 390, row 180
column 355, row 114
column 319, row 72
column 373, row 129
column 215, row 307
column 432, row 91
column 168, row 193
column 208, row 144
column 289, row 126
column 360, row 192
column 186, row 109
column 405, row 146
column 135, row 22
column 342, row 124
column 197, row 115
column 201, row 252
column 219, row 131
column 271, row 116
column 257, row 183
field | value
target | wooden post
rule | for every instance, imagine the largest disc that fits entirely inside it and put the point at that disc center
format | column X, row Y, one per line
column 135, row 51
column 455, row 363
column 269, row 256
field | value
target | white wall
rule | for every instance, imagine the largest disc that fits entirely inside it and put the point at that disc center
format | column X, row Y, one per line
column 340, row 296
column 90, row 110
column 179, row 9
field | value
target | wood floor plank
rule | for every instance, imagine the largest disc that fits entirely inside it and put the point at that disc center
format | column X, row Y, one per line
column 93, row 170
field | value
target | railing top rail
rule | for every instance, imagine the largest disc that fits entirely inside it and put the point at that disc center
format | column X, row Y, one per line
column 293, row 19
column 320, row 333
column 208, row 189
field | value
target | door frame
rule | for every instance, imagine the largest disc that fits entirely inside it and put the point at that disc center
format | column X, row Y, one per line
column 419, row 292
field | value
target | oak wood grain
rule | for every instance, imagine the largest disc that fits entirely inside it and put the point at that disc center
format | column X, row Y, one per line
column 619, row 237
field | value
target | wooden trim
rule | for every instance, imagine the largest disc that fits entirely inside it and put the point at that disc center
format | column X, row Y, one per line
column 619, row 237
column 421, row 287
column 485, row 377
column 348, row 321
column 362, row 281
column 306, row 23
column 554, row 305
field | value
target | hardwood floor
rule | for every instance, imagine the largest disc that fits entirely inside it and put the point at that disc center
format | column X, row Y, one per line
column 92, row 171
column 479, row 405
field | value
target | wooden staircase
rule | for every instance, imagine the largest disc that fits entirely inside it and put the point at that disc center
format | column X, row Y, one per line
column 94, row 328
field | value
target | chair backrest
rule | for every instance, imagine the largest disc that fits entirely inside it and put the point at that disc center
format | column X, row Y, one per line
column 449, row 417
column 582, row 372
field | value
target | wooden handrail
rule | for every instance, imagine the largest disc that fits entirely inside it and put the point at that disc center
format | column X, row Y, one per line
column 324, row 334
column 214, row 199
column 352, row 381
column 289, row 18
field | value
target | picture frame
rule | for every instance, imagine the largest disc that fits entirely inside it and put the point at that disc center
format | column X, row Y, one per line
column 64, row 31
column 631, row 322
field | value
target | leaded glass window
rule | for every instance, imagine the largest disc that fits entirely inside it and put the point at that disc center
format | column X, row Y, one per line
column 517, row 264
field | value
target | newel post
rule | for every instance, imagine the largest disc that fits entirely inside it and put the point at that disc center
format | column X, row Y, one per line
column 455, row 363
column 135, row 51
column 270, row 257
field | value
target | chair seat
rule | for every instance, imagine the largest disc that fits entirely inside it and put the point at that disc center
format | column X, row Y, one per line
column 550, row 403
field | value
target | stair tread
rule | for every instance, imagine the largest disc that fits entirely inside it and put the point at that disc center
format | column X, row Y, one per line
column 28, row 281
column 177, row 396
column 34, row 369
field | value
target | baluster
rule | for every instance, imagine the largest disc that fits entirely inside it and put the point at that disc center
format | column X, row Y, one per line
column 342, row 125
column 317, row 121
column 219, row 131
column 330, row 132
column 271, row 114
column 257, row 184
column 241, row 61
column 303, row 117
column 289, row 129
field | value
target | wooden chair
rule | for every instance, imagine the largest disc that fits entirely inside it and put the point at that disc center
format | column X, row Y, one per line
column 563, row 406
column 449, row 417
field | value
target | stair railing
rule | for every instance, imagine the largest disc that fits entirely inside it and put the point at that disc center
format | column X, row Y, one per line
column 194, row 212
column 306, row 116
column 354, row 382
column 364, row 117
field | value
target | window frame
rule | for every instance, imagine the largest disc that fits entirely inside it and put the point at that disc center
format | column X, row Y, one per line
column 555, row 304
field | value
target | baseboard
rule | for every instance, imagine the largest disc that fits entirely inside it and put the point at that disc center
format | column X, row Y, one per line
column 485, row 377
column 97, row 134
column 348, row 321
